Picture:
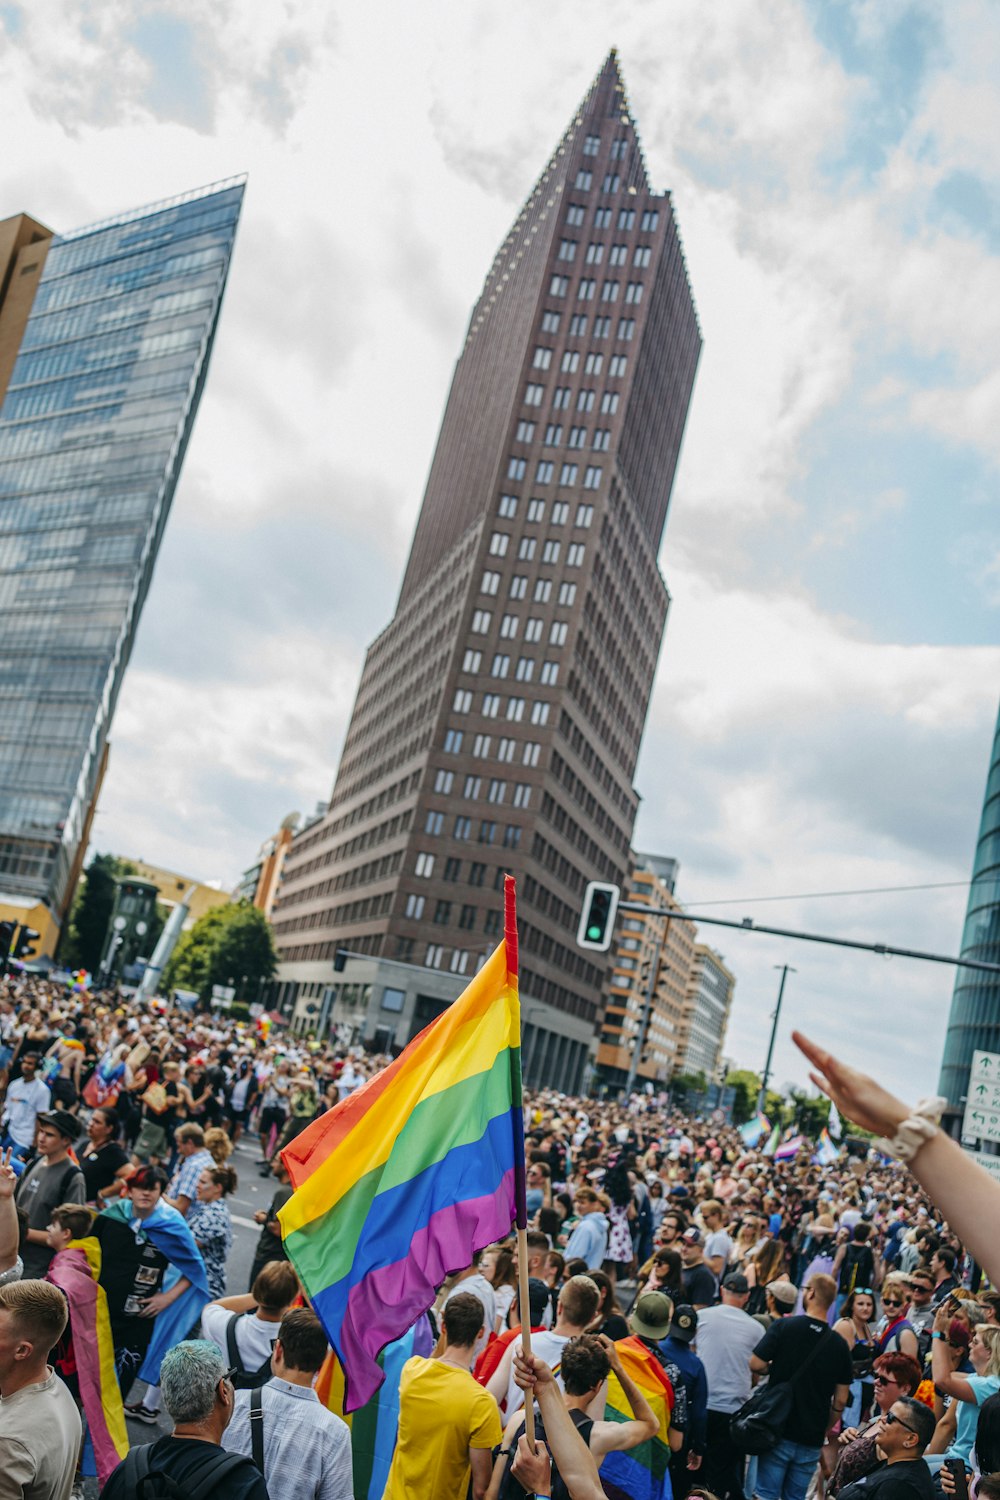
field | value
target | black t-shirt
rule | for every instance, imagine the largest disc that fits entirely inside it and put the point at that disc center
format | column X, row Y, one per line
column 903, row 1481
column 130, row 1273
column 699, row 1285
column 99, row 1167
column 786, row 1346
column 857, row 1269
column 181, row 1459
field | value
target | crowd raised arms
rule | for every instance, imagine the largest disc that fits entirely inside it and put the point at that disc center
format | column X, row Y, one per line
column 703, row 1314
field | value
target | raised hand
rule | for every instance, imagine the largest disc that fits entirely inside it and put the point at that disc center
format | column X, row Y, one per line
column 856, row 1095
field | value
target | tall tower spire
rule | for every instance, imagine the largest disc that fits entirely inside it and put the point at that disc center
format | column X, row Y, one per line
column 499, row 715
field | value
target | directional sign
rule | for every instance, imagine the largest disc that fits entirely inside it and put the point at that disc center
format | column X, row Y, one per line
column 990, row 1163
column 982, row 1105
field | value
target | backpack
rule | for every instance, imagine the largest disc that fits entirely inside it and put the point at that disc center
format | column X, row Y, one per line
column 760, row 1423
column 244, row 1379
column 137, row 1479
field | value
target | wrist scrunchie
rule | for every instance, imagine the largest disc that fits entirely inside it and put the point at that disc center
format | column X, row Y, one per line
column 915, row 1131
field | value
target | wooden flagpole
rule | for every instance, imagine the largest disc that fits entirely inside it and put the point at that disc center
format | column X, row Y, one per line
column 520, row 1177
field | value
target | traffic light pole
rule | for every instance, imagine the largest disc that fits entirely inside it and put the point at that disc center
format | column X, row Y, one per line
column 786, row 969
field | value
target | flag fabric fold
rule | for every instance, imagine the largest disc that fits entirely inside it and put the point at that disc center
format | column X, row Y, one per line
column 826, row 1152
column 754, row 1130
column 643, row 1472
column 406, row 1179
column 790, row 1148
column 75, row 1271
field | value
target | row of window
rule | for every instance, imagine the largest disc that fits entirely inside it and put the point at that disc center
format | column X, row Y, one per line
column 562, row 395
column 424, row 864
column 594, row 253
column 508, row 506
column 528, row 545
column 553, row 436
column 481, row 744
column 576, row 214
column 517, row 469
column 524, row 671
column 466, row 920
column 584, row 181
column 509, row 626
column 496, row 793
column 516, row 708
column 593, row 362
column 519, row 588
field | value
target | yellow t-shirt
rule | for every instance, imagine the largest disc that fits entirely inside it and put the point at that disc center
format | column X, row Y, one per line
column 443, row 1413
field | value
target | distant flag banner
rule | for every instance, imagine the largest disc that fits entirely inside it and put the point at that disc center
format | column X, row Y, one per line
column 826, row 1151
column 771, row 1145
column 754, row 1130
column 643, row 1473
column 834, row 1126
column 790, row 1148
column 406, row 1179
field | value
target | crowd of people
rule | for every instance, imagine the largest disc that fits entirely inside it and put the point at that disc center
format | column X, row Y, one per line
column 741, row 1326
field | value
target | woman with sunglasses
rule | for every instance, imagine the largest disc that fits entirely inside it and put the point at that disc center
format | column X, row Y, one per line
column 895, row 1333
column 855, row 1327
column 894, row 1375
column 968, row 1391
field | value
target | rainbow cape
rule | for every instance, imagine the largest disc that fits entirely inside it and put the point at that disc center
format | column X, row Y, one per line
column 641, row 1473
column 406, row 1179
column 167, row 1230
column 75, row 1271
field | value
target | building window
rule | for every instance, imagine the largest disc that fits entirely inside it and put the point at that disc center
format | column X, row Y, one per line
column 542, row 357
column 415, row 907
column 558, row 286
column 567, row 250
column 459, row 960
column 584, row 517
column 508, row 627
column 525, row 670
column 442, row 913
column 585, row 291
column 452, row 868
column 525, row 431
column 568, row 473
column 522, row 794
column 577, row 437
column 533, row 630
column 595, row 253
column 574, row 554
column 550, row 673
column 602, row 328
column 516, row 468
column 435, row 954
column 462, row 702
column 584, row 181
column 511, row 836
column 467, row 917
column 618, row 364
column 626, row 328
column 518, row 586
column 491, row 705
column 487, row 831
column 557, row 633
column 633, row 292
column 578, row 325
column 481, row 621
column 609, row 403
column 473, row 786
column 570, row 362
column 574, row 214
column 463, row 828
column 533, row 393
column 543, row 473
column 453, row 741
column 650, row 220
column 444, row 781
column 501, row 665
column 515, row 709
column 618, row 255
column 498, row 543
column 560, row 397
column 560, row 510
column 553, row 435
column 602, row 439
column 471, row 662
column 602, row 218
column 532, row 751
column 492, row 924
column 567, row 594
column 424, row 865
column 643, row 254
column 536, row 510
column 539, row 713
column 591, row 145
column 526, row 548
column 481, row 746
column 550, row 552
column 595, row 363
column 585, row 400
column 490, row 583
column 505, row 749
column 612, row 183
column 619, row 149
column 550, row 322
column 543, row 590
column 477, row 873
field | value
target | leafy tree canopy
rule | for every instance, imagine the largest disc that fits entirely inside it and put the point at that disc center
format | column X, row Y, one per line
column 747, row 1087
column 229, row 944
column 90, row 914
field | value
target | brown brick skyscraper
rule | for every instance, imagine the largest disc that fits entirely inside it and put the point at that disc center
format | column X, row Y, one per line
column 499, row 715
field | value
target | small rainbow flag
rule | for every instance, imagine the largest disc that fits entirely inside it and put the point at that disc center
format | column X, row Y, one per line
column 789, row 1149
column 826, row 1151
column 641, row 1473
column 406, row 1179
column 754, row 1130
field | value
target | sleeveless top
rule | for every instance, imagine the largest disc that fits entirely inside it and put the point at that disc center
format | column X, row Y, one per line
column 510, row 1489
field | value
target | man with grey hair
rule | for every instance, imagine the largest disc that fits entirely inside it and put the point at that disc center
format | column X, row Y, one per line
column 198, row 1394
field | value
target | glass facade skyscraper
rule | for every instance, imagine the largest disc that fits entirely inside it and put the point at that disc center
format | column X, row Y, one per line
column 103, row 373
column 974, row 1023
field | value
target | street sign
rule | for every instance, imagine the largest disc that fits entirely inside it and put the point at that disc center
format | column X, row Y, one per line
column 982, row 1105
column 223, row 995
column 991, row 1163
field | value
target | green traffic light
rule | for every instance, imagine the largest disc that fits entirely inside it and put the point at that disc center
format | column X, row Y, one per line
column 594, row 933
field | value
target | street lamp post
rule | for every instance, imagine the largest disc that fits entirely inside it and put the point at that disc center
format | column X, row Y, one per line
column 786, row 969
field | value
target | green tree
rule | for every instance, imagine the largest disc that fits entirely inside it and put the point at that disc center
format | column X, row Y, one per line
column 809, row 1114
column 747, row 1086
column 90, row 914
column 683, row 1084
column 228, row 943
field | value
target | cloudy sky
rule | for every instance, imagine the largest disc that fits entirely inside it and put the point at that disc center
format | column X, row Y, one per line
column 827, row 691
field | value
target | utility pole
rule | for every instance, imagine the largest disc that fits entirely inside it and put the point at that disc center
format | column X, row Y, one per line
column 786, row 969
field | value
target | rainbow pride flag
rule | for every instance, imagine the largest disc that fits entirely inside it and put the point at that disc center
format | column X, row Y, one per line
column 75, row 1271
column 641, row 1473
column 406, row 1179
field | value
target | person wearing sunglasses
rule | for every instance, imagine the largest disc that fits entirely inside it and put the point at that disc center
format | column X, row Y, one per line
column 894, row 1333
column 903, row 1434
column 895, row 1376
